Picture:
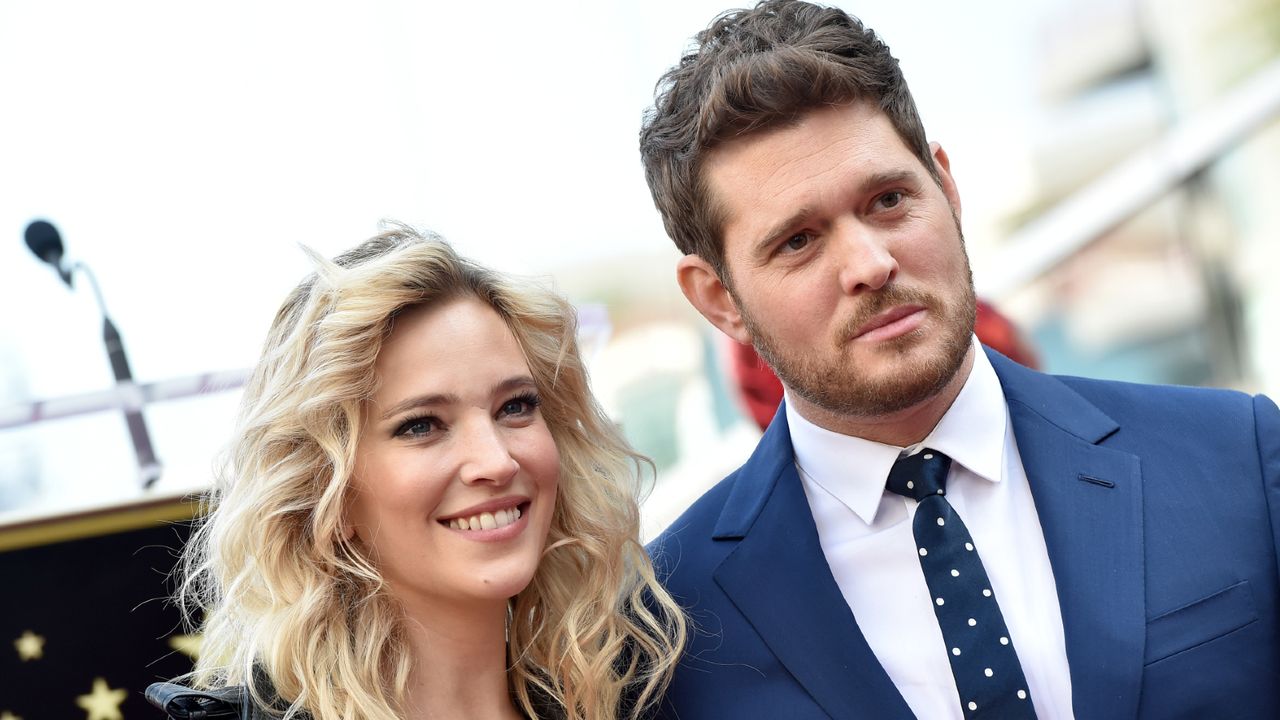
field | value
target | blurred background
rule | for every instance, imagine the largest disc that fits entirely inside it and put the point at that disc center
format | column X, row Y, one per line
column 1117, row 161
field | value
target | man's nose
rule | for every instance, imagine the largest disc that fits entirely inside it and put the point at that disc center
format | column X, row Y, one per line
column 485, row 455
column 865, row 262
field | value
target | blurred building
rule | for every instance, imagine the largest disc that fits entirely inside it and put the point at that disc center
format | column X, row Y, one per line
column 1178, row 292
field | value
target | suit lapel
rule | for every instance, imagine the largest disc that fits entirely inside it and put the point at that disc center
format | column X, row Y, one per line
column 1089, row 500
column 778, row 578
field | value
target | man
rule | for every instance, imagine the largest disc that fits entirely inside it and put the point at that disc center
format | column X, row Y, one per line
column 927, row 528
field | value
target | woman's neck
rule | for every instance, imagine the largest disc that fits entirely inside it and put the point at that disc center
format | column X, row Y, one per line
column 459, row 662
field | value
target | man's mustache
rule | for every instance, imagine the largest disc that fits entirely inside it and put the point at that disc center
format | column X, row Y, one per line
column 884, row 298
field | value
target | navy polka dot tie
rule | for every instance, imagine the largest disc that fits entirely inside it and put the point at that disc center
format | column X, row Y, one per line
column 988, row 675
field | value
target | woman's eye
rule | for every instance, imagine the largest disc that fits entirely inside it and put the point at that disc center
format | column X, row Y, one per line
column 416, row 428
column 519, row 406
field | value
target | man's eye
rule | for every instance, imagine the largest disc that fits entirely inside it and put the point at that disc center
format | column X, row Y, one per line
column 796, row 242
column 891, row 199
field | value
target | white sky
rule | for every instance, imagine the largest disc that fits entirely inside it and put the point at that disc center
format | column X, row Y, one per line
column 184, row 150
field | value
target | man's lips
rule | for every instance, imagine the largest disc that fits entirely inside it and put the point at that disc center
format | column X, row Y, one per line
column 891, row 323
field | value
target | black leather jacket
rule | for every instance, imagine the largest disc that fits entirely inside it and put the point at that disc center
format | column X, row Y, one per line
column 180, row 702
column 230, row 703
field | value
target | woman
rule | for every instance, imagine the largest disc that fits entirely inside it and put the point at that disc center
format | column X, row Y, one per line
column 425, row 512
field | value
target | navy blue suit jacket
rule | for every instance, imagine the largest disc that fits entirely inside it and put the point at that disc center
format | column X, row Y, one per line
column 1160, row 508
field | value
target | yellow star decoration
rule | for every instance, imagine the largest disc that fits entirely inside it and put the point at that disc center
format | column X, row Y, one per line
column 188, row 645
column 30, row 646
column 6, row 715
column 103, row 703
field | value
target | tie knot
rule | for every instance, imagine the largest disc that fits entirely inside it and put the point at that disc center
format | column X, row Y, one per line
column 919, row 476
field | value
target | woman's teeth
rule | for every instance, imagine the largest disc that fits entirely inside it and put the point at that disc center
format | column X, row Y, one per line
column 486, row 521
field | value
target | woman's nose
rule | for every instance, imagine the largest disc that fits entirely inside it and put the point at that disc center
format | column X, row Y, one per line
column 486, row 458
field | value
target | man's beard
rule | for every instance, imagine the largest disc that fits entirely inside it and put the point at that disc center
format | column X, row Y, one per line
column 838, row 387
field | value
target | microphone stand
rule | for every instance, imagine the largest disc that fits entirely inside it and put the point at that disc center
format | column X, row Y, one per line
column 149, row 467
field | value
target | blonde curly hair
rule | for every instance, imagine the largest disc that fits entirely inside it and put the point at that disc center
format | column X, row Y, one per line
column 294, row 610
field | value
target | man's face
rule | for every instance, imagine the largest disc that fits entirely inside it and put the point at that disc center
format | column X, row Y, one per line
column 844, row 262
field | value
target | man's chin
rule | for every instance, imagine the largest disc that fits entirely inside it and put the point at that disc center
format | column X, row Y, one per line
column 875, row 400
column 906, row 377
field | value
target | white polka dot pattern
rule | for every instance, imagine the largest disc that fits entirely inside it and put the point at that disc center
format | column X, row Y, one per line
column 987, row 673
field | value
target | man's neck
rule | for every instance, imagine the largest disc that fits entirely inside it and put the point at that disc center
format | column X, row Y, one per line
column 902, row 428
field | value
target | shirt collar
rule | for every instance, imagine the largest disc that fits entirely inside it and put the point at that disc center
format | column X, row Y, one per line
column 852, row 469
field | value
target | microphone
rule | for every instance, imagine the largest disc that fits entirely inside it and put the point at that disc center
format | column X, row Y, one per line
column 43, row 239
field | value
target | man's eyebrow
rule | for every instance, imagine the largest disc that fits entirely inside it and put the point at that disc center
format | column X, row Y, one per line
column 889, row 177
column 868, row 184
column 771, row 235
column 513, row 383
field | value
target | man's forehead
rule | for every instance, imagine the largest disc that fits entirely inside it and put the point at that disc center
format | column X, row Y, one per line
column 861, row 126
column 830, row 147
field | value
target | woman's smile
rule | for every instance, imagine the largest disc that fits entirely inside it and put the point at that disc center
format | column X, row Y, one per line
column 506, row 519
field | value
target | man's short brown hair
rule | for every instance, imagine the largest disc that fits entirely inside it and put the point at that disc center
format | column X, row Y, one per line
column 752, row 70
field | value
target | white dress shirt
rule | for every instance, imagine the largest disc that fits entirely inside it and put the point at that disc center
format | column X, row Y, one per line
column 866, row 535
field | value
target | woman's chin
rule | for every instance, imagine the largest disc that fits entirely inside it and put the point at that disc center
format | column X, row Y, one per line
column 503, row 588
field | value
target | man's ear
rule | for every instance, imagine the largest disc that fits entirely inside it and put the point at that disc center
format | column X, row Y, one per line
column 943, row 165
column 701, row 285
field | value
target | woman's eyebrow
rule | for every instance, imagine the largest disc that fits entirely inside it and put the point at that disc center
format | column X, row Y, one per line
column 437, row 399
column 418, row 401
column 517, row 382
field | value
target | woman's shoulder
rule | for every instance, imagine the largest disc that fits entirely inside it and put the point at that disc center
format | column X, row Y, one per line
column 234, row 702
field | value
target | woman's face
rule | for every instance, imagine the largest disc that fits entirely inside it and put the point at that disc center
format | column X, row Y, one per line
column 456, row 474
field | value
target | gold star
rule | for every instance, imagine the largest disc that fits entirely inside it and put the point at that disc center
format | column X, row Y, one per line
column 30, row 646
column 103, row 703
column 188, row 645
column 6, row 715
